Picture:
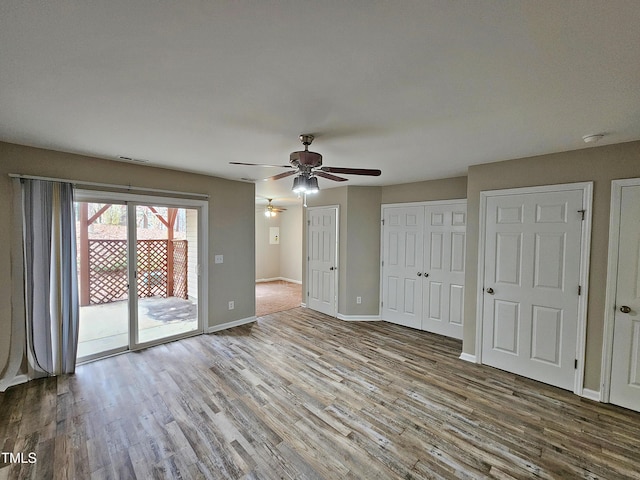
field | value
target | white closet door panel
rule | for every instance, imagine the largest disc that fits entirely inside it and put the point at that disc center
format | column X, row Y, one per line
column 443, row 272
column 532, row 271
column 402, row 261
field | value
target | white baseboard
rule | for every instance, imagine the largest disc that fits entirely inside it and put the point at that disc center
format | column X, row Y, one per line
column 359, row 318
column 467, row 357
column 17, row 380
column 235, row 323
column 276, row 279
column 303, row 305
column 591, row 394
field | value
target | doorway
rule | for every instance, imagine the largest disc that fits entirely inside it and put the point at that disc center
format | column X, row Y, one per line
column 139, row 263
column 322, row 259
column 278, row 234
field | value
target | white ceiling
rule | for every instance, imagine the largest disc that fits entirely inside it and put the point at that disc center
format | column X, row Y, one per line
column 418, row 89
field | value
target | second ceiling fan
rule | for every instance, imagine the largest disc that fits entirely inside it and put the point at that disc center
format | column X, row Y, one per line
column 308, row 166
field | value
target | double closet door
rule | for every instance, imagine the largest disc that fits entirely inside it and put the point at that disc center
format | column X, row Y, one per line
column 423, row 255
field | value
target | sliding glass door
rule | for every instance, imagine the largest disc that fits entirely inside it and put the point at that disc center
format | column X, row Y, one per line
column 166, row 254
column 139, row 271
column 103, row 279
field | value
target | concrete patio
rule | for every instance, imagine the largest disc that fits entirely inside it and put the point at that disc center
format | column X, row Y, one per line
column 106, row 327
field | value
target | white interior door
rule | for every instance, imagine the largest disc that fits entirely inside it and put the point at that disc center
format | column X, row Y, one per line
column 322, row 234
column 402, row 265
column 443, row 276
column 531, row 284
column 625, row 366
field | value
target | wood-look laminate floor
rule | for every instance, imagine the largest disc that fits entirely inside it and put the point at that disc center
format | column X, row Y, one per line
column 300, row 395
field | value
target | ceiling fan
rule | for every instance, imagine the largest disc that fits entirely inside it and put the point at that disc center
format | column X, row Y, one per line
column 272, row 211
column 308, row 167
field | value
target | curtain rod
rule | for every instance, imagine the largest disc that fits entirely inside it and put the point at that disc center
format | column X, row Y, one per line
column 108, row 185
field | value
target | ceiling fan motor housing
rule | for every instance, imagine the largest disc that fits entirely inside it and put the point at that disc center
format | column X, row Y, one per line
column 306, row 157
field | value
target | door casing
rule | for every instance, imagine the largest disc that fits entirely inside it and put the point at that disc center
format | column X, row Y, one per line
column 585, row 248
column 336, row 275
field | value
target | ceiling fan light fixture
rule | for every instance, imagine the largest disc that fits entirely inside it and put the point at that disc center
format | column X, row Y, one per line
column 299, row 184
column 269, row 213
column 305, row 184
column 312, row 185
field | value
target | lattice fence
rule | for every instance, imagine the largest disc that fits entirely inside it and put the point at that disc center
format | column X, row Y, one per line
column 180, row 259
column 108, row 269
column 152, row 268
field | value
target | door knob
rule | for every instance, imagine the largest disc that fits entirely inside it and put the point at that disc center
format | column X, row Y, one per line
column 419, row 274
column 625, row 309
column 331, row 268
column 490, row 291
column 426, row 274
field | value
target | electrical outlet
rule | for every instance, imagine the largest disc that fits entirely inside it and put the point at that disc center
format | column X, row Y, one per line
column 219, row 259
column 232, row 305
column 358, row 300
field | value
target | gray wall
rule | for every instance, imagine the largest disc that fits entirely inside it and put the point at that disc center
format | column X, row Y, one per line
column 362, row 261
column 291, row 243
column 442, row 189
column 598, row 164
column 231, row 223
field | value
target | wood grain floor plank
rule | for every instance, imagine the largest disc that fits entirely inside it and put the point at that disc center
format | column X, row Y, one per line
column 298, row 395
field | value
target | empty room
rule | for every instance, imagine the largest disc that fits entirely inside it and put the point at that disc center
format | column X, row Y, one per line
column 320, row 240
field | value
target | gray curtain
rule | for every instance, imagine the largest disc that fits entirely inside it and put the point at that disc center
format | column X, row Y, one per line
column 51, row 280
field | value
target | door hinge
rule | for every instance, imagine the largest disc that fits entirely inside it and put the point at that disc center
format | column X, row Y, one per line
column 383, row 221
column 582, row 212
column 575, row 363
column 382, row 304
column 383, row 263
column 308, row 222
column 579, row 289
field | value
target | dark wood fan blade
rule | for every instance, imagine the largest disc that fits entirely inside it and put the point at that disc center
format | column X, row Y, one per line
column 279, row 209
column 335, row 178
column 260, row 165
column 352, row 171
column 281, row 175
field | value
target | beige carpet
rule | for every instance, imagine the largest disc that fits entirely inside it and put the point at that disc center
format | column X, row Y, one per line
column 277, row 296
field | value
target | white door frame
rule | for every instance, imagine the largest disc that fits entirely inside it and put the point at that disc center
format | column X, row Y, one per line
column 336, row 276
column 131, row 200
column 611, row 284
column 585, row 248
